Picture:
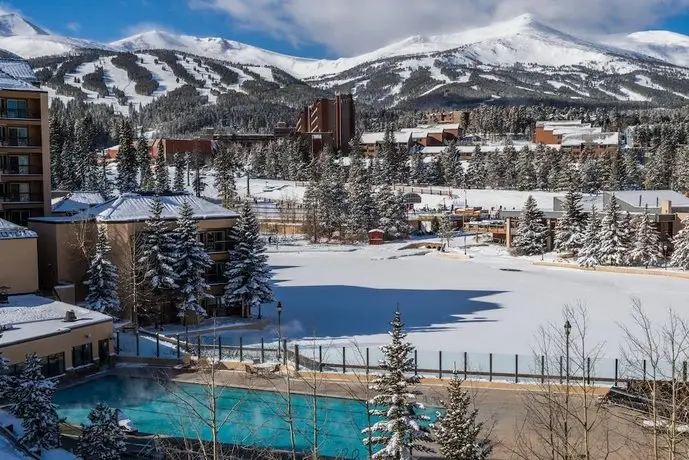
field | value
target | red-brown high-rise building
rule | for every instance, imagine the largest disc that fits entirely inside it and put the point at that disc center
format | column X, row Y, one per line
column 336, row 117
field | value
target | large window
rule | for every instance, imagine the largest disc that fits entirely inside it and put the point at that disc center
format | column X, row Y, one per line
column 18, row 216
column 82, row 354
column 216, row 240
column 15, row 164
column 17, row 137
column 53, row 365
column 17, row 108
column 18, row 191
column 216, row 273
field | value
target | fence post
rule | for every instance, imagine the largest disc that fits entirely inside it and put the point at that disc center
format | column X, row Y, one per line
column 241, row 349
column 117, row 342
column 344, row 363
column 465, row 365
column 296, row 356
column 198, row 342
column 440, row 365
column 416, row 362
column 560, row 370
column 644, row 369
column 368, row 364
column 284, row 351
column 588, row 370
column 616, row 374
column 263, row 351
column 320, row 358
column 542, row 369
column 516, row 368
column 684, row 371
column 490, row 367
column 137, row 344
column 177, row 346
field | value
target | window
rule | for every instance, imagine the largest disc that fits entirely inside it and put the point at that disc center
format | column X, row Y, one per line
column 17, row 108
column 213, row 306
column 18, row 137
column 18, row 191
column 82, row 354
column 216, row 240
column 19, row 216
column 53, row 365
column 14, row 164
column 216, row 273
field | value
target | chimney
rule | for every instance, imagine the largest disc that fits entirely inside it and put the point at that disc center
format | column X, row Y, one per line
column 70, row 316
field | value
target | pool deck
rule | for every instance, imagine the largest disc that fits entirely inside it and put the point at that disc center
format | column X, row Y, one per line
column 502, row 405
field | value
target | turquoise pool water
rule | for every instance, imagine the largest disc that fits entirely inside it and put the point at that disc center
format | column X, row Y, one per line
column 255, row 418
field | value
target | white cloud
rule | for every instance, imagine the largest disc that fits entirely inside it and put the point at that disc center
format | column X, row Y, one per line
column 354, row 26
column 73, row 26
column 142, row 27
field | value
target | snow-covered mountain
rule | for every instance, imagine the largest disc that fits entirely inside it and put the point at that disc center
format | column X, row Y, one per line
column 519, row 59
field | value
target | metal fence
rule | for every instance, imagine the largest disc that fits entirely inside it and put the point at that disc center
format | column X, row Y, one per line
column 365, row 360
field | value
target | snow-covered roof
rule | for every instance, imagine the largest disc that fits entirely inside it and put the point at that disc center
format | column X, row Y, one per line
column 134, row 207
column 77, row 202
column 19, row 69
column 576, row 139
column 561, row 131
column 434, row 150
column 401, row 137
column 10, row 231
column 31, row 317
column 545, row 123
column 8, row 82
column 650, row 198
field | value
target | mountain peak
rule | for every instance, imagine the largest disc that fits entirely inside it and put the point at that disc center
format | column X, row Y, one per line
column 12, row 24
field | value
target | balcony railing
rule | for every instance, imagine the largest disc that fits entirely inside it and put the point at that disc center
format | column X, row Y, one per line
column 21, row 170
column 20, row 114
column 19, row 142
column 21, row 197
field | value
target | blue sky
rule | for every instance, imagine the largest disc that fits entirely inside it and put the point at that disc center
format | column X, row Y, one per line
column 333, row 28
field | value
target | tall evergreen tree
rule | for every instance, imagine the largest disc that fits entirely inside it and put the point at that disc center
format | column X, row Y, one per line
column 180, row 163
column 102, row 438
column 613, row 245
column 680, row 180
column 32, row 402
column 57, row 139
column 127, row 165
column 632, row 173
column 248, row 273
column 658, row 170
column 569, row 231
column 476, row 172
column 680, row 253
column 417, row 170
column 191, row 264
column 143, row 159
column 162, row 175
column 590, row 176
column 392, row 218
column 389, row 155
column 332, row 195
column 526, row 172
column 457, row 431
column 86, row 149
column 509, row 160
column 199, row 180
column 589, row 255
column 543, row 160
column 646, row 250
column 362, row 207
column 102, row 278
column 226, row 166
column 531, row 235
column 399, row 431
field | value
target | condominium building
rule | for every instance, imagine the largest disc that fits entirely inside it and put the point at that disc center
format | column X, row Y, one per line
column 24, row 144
column 328, row 122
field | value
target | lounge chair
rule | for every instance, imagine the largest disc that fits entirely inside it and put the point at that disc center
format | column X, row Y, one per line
column 250, row 370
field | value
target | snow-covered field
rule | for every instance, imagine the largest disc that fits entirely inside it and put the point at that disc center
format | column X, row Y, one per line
column 452, row 305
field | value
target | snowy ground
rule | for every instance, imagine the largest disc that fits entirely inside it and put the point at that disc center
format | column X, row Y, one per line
column 451, row 305
column 9, row 452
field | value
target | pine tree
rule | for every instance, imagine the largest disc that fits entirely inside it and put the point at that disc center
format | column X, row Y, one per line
column 332, row 195
column 159, row 250
column 457, row 431
column 388, row 155
column 86, row 148
column 526, row 172
column 191, row 264
column 590, row 176
column 143, row 159
column 180, row 161
column 416, row 173
column 509, row 159
column 162, row 175
column 225, row 165
column 392, row 217
column 543, row 160
column 7, row 381
column 32, row 402
column 659, row 168
column 127, row 165
column 102, row 438
column 199, row 180
column 646, row 250
column 476, row 172
column 102, row 278
column 362, row 207
column 531, row 235
column 248, row 272
column 632, row 172
column 399, row 431
column 452, row 166
column 680, row 181
column 569, row 231
column 589, row 255
column 57, row 139
column 680, row 253
column 613, row 247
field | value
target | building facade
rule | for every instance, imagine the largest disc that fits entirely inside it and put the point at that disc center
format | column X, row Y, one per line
column 328, row 122
column 24, row 144
column 19, row 259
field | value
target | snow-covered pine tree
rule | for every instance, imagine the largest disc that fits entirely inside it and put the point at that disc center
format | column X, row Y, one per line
column 180, row 161
column 362, row 207
column 332, row 195
column 248, row 272
column 143, row 159
column 476, row 172
column 590, row 176
column 658, row 169
column 526, row 172
column 392, row 217
column 159, row 251
column 388, row 156
column 589, row 254
column 199, row 180
column 101, row 438
column 632, row 173
column 226, row 165
column 416, row 170
column 680, row 253
column 433, row 172
column 86, row 147
column 646, row 250
column 457, row 430
column 7, row 381
column 494, row 169
column 543, row 160
column 57, row 139
column 400, row 431
column 127, row 165
column 509, row 160
column 191, row 264
column 162, row 175
column 32, row 402
column 102, row 278
column 452, row 166
column 680, row 180
column 569, row 231
column 613, row 239
column 531, row 234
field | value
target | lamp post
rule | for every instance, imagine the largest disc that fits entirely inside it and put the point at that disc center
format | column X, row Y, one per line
column 278, row 307
column 568, row 330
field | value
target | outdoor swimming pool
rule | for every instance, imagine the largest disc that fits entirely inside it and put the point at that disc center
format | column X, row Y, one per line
column 255, row 418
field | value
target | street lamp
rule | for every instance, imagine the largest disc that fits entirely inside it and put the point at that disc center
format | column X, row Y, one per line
column 568, row 330
column 278, row 307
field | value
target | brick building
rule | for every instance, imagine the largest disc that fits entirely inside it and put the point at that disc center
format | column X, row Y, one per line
column 574, row 136
column 328, row 122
